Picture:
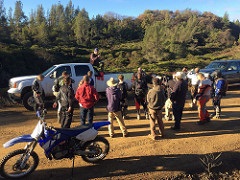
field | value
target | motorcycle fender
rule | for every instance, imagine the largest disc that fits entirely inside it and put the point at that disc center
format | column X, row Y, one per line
column 97, row 125
column 87, row 135
column 20, row 139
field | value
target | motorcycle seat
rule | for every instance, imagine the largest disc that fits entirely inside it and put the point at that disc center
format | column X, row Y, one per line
column 73, row 131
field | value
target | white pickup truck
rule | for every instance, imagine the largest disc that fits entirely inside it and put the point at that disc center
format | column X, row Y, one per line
column 20, row 87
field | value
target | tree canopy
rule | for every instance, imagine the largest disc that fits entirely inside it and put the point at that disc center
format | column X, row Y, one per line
column 158, row 35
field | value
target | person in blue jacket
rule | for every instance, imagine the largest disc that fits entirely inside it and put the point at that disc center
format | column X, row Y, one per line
column 219, row 90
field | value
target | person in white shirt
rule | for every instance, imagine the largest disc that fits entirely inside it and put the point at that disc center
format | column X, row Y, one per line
column 194, row 81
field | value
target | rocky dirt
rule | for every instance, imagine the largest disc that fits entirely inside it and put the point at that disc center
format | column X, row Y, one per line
column 177, row 156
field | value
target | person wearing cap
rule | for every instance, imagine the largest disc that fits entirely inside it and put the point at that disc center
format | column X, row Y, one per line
column 178, row 97
column 95, row 60
column 156, row 100
column 87, row 97
column 38, row 92
column 114, row 94
column 202, row 97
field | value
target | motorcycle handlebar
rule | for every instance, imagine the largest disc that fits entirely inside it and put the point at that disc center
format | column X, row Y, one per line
column 41, row 113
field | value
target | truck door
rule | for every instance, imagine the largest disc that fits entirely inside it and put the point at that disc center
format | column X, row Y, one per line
column 80, row 71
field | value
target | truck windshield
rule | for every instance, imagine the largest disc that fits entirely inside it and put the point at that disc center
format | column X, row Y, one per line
column 216, row 65
column 48, row 70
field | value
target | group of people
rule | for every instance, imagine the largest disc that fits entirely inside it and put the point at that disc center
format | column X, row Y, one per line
column 202, row 89
column 170, row 94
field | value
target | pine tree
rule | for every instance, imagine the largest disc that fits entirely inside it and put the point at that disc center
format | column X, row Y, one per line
column 81, row 28
column 19, row 20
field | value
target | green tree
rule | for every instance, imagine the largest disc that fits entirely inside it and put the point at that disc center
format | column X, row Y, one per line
column 98, row 27
column 4, row 32
column 19, row 21
column 81, row 28
column 225, row 21
column 37, row 27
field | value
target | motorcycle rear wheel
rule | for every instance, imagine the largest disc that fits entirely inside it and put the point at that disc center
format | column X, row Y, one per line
column 10, row 164
column 97, row 150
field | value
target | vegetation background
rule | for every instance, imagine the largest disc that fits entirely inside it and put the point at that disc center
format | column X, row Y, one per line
column 160, row 41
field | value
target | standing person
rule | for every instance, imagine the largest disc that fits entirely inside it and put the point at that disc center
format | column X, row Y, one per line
column 202, row 97
column 38, row 92
column 140, row 90
column 114, row 108
column 178, row 98
column 87, row 97
column 95, row 60
column 58, row 83
column 194, row 81
column 65, row 98
column 91, row 81
column 156, row 100
column 219, row 90
column 123, row 86
column 168, row 104
column 139, row 71
column 185, row 72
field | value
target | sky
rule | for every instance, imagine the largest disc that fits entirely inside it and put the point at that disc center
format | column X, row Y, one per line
column 136, row 7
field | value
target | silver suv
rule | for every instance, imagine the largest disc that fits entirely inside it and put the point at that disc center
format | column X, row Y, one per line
column 230, row 69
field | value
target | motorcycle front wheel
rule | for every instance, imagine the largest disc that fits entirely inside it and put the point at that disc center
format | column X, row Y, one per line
column 96, row 150
column 17, row 164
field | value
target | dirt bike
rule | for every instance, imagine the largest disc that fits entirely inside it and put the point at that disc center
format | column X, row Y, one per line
column 58, row 143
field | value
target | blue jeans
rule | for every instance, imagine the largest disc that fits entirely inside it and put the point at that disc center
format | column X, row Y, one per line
column 84, row 113
column 177, row 113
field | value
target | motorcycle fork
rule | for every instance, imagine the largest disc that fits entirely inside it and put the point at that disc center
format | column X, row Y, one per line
column 29, row 148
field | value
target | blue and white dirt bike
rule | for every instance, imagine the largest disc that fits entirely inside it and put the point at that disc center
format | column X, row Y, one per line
column 57, row 144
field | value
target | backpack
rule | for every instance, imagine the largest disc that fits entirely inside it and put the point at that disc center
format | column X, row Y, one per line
column 140, row 89
column 123, row 87
column 221, row 86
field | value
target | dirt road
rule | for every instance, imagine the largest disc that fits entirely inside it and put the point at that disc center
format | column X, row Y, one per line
column 137, row 156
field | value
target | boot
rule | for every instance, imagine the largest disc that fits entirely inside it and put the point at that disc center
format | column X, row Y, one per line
column 138, row 114
column 146, row 115
column 59, row 117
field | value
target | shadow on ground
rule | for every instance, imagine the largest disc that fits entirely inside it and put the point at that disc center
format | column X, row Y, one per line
column 191, row 164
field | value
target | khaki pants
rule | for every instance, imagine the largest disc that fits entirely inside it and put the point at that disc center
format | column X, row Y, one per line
column 118, row 116
column 156, row 115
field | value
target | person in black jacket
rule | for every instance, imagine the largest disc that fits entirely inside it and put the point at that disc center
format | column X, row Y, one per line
column 123, row 86
column 140, row 91
column 38, row 92
column 58, row 82
column 66, row 98
column 178, row 97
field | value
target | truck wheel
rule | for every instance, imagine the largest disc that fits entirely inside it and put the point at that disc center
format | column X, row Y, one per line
column 28, row 101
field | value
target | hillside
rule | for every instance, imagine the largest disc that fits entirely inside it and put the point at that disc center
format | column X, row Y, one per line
column 18, row 61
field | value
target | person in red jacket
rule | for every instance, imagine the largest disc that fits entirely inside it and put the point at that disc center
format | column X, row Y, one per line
column 87, row 97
